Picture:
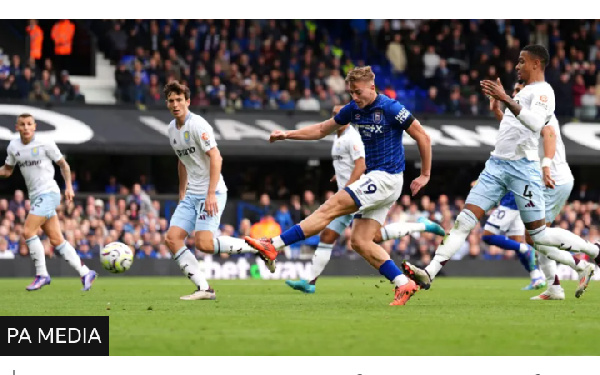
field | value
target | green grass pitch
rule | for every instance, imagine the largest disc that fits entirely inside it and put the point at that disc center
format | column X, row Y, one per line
column 347, row 316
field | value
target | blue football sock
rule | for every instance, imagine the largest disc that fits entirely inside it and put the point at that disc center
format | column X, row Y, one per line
column 292, row 235
column 508, row 244
column 525, row 260
column 389, row 270
column 502, row 241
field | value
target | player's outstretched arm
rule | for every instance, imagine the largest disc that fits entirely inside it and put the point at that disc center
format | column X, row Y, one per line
column 6, row 170
column 549, row 139
column 182, row 174
column 65, row 170
column 308, row 133
column 416, row 132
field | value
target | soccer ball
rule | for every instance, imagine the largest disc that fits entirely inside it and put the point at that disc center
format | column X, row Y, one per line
column 116, row 257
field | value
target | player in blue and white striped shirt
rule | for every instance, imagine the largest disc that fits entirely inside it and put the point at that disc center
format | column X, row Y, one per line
column 381, row 123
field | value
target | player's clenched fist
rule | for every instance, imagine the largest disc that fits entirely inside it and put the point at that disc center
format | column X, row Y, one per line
column 277, row 135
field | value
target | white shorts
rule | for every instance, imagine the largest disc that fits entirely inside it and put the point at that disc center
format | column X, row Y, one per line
column 375, row 193
column 505, row 221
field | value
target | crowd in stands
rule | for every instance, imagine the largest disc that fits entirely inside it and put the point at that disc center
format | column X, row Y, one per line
column 36, row 78
column 433, row 66
column 135, row 218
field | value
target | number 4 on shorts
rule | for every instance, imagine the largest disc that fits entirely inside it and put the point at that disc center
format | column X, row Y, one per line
column 527, row 193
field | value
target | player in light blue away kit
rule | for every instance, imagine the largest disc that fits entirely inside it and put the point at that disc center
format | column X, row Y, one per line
column 559, row 183
column 34, row 157
column 202, row 192
column 514, row 165
column 504, row 228
column 348, row 153
column 381, row 123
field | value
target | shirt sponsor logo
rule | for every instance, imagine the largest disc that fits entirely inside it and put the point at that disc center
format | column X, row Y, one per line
column 29, row 163
column 186, row 151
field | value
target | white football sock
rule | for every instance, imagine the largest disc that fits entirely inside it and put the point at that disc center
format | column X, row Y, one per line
column 549, row 267
column 398, row 230
column 560, row 256
column 523, row 248
column 465, row 222
column 231, row 245
column 320, row 260
column 70, row 255
column 400, row 280
column 190, row 267
column 536, row 274
column 564, row 240
column 278, row 243
column 36, row 252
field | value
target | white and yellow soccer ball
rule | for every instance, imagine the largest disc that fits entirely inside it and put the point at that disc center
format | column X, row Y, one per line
column 116, row 257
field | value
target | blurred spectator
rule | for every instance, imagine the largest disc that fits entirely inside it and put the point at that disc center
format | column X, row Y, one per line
column 578, row 89
column 308, row 102
column 118, row 42
column 396, row 54
column 433, row 104
column 36, row 37
column 5, row 253
column 112, row 187
column 589, row 105
column 62, row 34
column 37, row 94
column 17, row 202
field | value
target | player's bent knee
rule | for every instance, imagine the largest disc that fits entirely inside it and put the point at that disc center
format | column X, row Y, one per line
column 465, row 221
column 328, row 236
column 538, row 235
column 28, row 233
column 205, row 244
column 358, row 244
column 56, row 240
column 378, row 238
column 172, row 239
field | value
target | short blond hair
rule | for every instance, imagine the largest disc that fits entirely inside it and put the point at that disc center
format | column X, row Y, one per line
column 25, row 115
column 360, row 73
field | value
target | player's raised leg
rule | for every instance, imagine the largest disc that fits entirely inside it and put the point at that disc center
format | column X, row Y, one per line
column 363, row 232
column 341, row 203
column 36, row 251
column 52, row 229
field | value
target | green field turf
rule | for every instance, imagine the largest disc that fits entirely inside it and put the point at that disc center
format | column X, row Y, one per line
column 347, row 316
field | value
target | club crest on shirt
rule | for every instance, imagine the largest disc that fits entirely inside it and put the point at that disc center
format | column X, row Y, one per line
column 186, row 136
column 377, row 117
column 35, row 151
column 357, row 117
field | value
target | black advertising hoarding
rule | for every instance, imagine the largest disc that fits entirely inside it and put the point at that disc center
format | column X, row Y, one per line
column 115, row 129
